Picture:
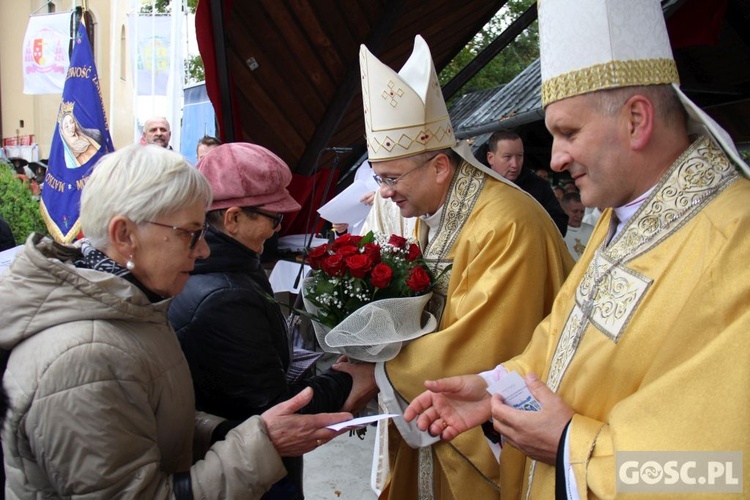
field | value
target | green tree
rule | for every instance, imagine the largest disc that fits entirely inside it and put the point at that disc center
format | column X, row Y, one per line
column 158, row 6
column 194, row 71
column 164, row 6
column 17, row 206
column 506, row 65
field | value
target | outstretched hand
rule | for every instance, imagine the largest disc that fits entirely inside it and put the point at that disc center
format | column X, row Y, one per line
column 364, row 388
column 450, row 406
column 292, row 434
column 535, row 433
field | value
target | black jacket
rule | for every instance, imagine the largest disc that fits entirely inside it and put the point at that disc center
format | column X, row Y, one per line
column 6, row 236
column 542, row 192
column 236, row 343
column 235, row 339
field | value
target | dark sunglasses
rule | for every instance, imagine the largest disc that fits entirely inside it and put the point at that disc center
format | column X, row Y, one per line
column 277, row 218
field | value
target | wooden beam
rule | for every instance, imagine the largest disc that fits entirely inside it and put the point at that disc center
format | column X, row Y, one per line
column 347, row 90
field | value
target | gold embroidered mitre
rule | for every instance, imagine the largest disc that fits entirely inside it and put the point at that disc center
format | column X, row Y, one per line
column 590, row 45
column 405, row 113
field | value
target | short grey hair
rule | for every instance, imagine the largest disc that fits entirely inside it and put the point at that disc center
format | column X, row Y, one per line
column 154, row 118
column 141, row 183
column 664, row 98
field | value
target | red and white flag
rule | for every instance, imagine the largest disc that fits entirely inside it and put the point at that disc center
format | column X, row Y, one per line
column 45, row 53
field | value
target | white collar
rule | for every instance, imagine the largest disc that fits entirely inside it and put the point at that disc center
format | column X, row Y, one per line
column 625, row 212
column 432, row 222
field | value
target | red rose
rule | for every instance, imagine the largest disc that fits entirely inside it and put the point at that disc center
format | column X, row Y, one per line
column 381, row 276
column 397, row 241
column 419, row 279
column 414, row 253
column 372, row 250
column 347, row 250
column 333, row 265
column 316, row 255
column 359, row 265
column 347, row 239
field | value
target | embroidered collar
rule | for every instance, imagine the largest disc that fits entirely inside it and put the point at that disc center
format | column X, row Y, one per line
column 693, row 180
column 625, row 212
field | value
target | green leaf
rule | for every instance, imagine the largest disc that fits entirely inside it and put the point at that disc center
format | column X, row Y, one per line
column 18, row 207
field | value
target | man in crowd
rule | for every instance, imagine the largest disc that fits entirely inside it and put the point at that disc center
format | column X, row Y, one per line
column 578, row 231
column 505, row 156
column 157, row 131
column 558, row 191
column 508, row 261
column 646, row 345
column 206, row 144
column 542, row 174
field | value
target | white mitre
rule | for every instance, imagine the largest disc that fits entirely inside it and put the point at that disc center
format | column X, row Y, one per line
column 405, row 113
column 590, row 45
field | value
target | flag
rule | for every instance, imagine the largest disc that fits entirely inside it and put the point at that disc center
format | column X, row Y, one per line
column 81, row 137
column 152, row 36
column 45, row 53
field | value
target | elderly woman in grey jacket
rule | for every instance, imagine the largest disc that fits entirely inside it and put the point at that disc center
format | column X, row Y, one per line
column 101, row 400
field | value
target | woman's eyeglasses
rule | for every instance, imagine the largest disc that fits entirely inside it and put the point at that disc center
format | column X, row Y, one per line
column 276, row 218
column 195, row 236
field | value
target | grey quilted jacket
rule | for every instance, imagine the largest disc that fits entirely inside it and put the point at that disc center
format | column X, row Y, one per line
column 101, row 399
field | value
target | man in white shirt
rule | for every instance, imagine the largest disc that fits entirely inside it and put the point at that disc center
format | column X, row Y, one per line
column 579, row 232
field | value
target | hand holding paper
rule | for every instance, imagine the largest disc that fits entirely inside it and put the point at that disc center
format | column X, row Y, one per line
column 514, row 392
column 347, row 207
column 357, row 423
column 532, row 418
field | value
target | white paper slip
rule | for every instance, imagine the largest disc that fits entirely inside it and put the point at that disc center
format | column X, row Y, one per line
column 361, row 421
column 515, row 393
column 7, row 256
column 346, row 207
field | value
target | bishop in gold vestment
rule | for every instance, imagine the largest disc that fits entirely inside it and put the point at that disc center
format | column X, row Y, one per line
column 509, row 261
column 656, row 329
column 645, row 349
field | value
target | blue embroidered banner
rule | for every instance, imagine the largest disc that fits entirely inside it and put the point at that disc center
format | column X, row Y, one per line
column 81, row 137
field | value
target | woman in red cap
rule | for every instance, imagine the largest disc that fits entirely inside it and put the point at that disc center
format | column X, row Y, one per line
column 234, row 338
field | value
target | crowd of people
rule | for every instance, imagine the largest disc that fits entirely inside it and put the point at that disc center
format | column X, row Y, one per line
column 147, row 361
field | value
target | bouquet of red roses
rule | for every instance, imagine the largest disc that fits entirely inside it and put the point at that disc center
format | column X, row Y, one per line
column 367, row 294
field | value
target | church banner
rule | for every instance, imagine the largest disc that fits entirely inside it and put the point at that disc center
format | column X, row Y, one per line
column 45, row 53
column 152, row 35
column 80, row 138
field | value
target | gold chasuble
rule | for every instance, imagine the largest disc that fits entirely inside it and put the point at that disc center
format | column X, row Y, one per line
column 648, row 339
column 509, row 261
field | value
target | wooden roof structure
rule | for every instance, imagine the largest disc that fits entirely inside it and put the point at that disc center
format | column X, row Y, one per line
column 285, row 73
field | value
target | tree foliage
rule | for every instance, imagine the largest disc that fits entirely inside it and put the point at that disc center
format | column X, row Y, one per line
column 164, row 6
column 158, row 6
column 506, row 65
column 17, row 206
column 194, row 70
